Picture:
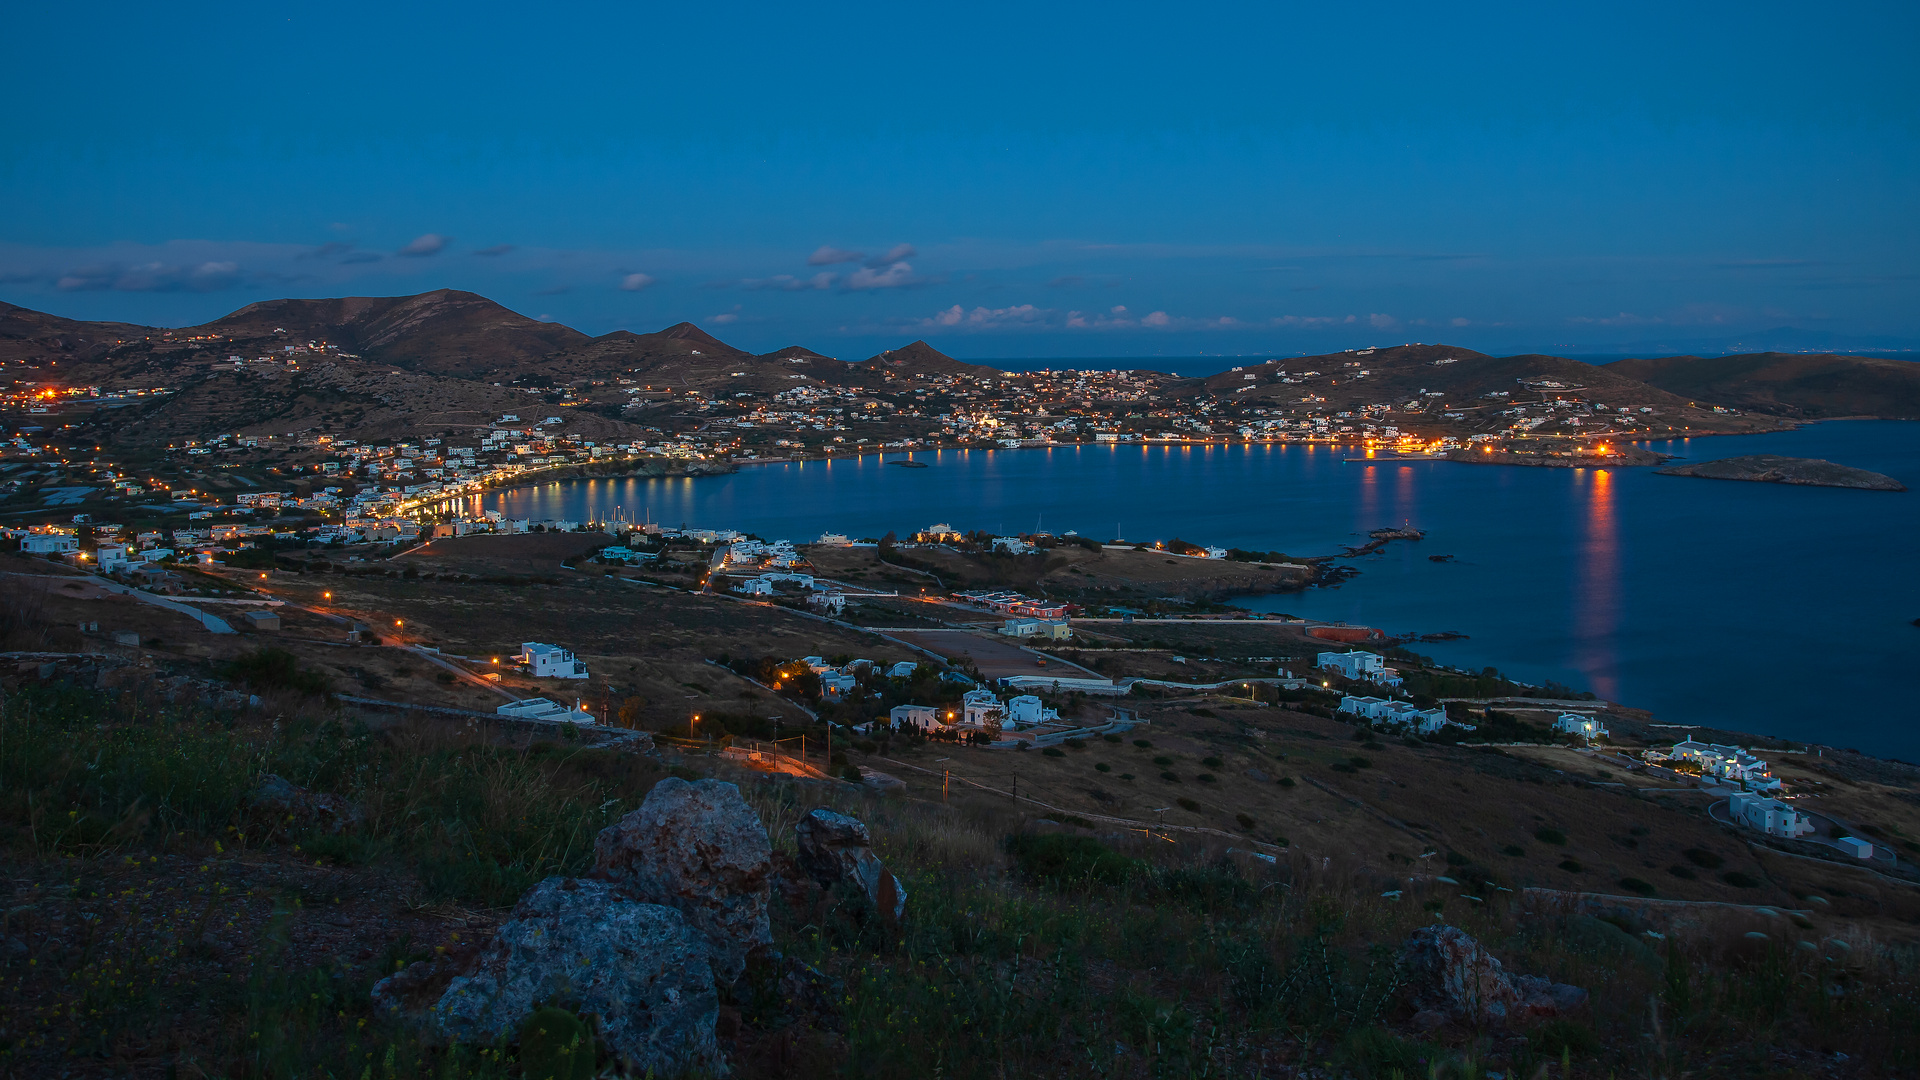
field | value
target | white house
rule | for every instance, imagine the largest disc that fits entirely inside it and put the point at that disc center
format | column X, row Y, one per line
column 1855, row 846
column 111, row 559
column 817, row 665
column 756, row 587
column 1401, row 714
column 1770, row 816
column 49, row 543
column 1012, row 545
column 903, row 670
column 1359, row 665
column 834, row 539
column 550, row 661
column 542, row 709
column 836, row 684
column 832, row 603
column 1051, row 629
column 913, row 716
column 1586, row 727
column 1027, row 711
column 981, row 708
column 1730, row 764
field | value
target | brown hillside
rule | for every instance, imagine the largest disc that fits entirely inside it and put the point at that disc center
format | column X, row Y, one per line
column 1788, row 384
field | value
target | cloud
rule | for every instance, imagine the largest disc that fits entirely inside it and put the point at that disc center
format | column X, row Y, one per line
column 896, row 276
column 1382, row 322
column 326, row 251
column 981, row 318
column 1158, row 318
column 1624, row 318
column 362, row 257
column 1066, row 281
column 1458, row 321
column 424, row 245
column 724, row 318
column 553, row 290
column 788, row 283
column 1308, row 320
column 635, row 282
column 895, row 254
column 151, row 277
column 495, row 250
column 827, row 255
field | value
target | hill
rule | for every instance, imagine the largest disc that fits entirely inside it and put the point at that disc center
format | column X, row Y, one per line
column 1787, row 384
column 921, row 360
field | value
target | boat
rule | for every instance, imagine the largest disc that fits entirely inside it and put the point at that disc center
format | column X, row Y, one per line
column 908, row 463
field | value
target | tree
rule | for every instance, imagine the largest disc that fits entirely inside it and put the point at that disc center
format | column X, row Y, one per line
column 630, row 712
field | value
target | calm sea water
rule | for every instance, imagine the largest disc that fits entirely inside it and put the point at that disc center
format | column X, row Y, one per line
column 1756, row 607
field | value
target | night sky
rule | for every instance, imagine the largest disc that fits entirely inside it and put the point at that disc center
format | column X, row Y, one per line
column 1017, row 180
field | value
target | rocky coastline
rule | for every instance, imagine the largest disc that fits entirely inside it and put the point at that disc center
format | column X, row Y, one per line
column 1774, row 469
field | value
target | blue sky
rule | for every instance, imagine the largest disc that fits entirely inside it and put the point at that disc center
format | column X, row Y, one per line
column 1003, row 180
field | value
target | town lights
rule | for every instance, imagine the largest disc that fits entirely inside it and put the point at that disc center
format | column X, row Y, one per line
column 397, row 622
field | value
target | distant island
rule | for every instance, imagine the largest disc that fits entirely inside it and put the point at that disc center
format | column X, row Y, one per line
column 1774, row 469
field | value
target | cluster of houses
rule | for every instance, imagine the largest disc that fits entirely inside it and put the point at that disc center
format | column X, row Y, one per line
column 776, row 554
column 839, row 683
column 1727, row 764
column 979, row 710
column 1404, row 715
column 1013, row 603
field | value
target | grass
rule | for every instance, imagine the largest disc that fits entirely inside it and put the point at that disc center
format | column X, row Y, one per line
column 174, row 929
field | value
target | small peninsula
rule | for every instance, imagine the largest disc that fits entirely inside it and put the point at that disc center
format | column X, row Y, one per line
column 1774, row 469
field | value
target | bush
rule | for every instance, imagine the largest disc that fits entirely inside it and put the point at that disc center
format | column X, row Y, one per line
column 1360, row 762
column 1704, row 859
column 1563, row 1038
column 1103, row 767
column 1572, row 866
column 1682, row 872
column 1514, row 850
column 556, row 1045
column 1143, row 744
column 1187, row 804
column 1245, row 821
column 1213, row 763
column 1286, row 781
column 1054, row 751
column 1635, row 885
column 1739, row 880
column 275, row 669
column 1550, row 836
column 1059, row 859
column 1163, row 760
column 1170, row 777
column 1114, row 739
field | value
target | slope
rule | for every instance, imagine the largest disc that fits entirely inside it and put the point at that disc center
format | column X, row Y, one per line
column 1787, row 384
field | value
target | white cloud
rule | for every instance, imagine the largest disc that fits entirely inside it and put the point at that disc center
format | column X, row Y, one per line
column 1458, row 321
column 210, row 276
column 425, row 244
column 724, row 318
column 1158, row 318
column 1308, row 320
column 984, row 318
column 635, row 282
column 788, row 283
column 827, row 255
column 895, row 276
column 1382, row 322
column 894, row 254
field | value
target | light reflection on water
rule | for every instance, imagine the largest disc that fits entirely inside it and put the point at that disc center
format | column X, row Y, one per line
column 1701, row 600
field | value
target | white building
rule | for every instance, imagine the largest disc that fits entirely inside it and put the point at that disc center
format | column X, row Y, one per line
column 981, row 708
column 832, row 603
column 550, row 661
column 542, row 709
column 1050, row 629
column 49, row 544
column 1729, row 764
column 1770, row 816
column 756, row 587
column 834, row 539
column 1401, row 714
column 1359, row 665
column 903, row 670
column 1586, row 727
column 1028, row 711
column 111, row 559
column 1012, row 545
column 914, row 716
column 836, row 684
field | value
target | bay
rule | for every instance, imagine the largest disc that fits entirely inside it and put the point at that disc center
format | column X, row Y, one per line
column 1763, row 608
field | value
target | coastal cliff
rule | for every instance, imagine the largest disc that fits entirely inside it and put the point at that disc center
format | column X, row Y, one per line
column 1774, row 469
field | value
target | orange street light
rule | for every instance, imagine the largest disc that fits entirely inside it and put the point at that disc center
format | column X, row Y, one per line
column 326, row 596
column 397, row 622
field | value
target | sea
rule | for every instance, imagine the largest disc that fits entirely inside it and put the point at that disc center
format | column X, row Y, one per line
column 1777, row 610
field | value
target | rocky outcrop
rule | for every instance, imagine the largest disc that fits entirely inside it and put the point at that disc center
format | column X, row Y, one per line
column 1774, row 469
column 835, row 848
column 701, row 850
column 639, row 969
column 1452, row 978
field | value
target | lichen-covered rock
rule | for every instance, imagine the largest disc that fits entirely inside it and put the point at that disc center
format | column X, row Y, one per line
column 701, row 850
column 284, row 799
column 1450, row 975
column 836, row 848
column 638, row 969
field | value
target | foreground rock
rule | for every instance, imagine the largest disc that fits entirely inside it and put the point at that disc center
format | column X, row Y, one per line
column 285, row 799
column 701, row 850
column 1452, row 978
column 835, row 848
column 1774, row 469
column 638, row 968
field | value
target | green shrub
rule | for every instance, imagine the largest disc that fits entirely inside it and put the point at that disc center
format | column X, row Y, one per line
column 1205, row 778
column 1245, row 821
column 1170, row 777
column 1213, row 763
column 1103, row 767
column 1739, row 880
column 1060, row 859
column 274, row 669
column 1681, row 872
column 1143, row 744
column 1550, row 836
column 556, row 1045
column 1054, row 751
column 1187, row 804
column 1163, row 760
column 1572, row 866
column 1635, row 885
column 1704, row 859
column 1286, row 781
column 1563, row 1038
column 1514, row 850
column 1114, row 739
